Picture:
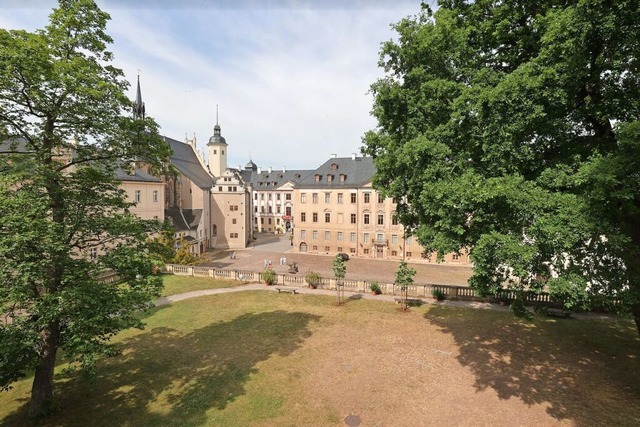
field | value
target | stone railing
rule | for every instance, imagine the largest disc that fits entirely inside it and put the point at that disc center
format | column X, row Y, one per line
column 451, row 292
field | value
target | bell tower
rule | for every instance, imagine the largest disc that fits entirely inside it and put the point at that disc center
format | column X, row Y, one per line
column 217, row 151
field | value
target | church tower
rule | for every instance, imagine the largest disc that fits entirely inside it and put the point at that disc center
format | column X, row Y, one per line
column 217, row 151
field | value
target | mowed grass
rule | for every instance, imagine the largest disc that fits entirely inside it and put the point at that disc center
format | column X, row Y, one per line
column 180, row 284
column 260, row 358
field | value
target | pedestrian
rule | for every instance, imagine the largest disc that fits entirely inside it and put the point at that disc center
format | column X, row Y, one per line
column 284, row 260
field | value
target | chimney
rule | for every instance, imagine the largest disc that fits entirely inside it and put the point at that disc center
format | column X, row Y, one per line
column 284, row 169
column 259, row 171
column 269, row 169
column 335, row 156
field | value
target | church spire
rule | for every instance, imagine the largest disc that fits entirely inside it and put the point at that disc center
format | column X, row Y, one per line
column 138, row 106
column 216, row 128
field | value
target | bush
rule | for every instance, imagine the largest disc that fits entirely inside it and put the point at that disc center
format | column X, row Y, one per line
column 375, row 288
column 437, row 294
column 313, row 279
column 269, row 277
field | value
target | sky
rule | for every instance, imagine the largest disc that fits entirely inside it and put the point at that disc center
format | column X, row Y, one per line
column 290, row 78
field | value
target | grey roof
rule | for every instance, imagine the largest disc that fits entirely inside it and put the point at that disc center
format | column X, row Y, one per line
column 186, row 161
column 357, row 171
column 139, row 175
column 183, row 219
column 266, row 180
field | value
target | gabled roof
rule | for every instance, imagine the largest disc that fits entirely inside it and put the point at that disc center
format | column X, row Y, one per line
column 138, row 176
column 356, row 172
column 183, row 219
column 186, row 161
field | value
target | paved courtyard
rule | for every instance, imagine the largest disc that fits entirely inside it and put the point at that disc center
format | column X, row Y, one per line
column 273, row 247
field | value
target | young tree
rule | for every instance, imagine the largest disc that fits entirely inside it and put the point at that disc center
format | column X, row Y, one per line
column 404, row 279
column 512, row 128
column 339, row 272
column 65, row 126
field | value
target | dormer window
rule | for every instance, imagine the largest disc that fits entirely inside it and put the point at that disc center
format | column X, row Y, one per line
column 343, row 177
column 334, row 166
column 318, row 178
column 329, row 178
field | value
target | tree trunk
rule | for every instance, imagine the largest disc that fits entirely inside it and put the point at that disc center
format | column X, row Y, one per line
column 42, row 388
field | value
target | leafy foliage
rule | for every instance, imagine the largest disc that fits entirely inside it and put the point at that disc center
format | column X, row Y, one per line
column 313, row 279
column 183, row 255
column 512, row 128
column 269, row 277
column 65, row 127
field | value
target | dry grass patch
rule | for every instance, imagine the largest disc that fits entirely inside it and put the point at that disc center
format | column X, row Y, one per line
column 258, row 358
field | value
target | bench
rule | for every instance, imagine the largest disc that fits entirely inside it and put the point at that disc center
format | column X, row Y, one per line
column 556, row 312
column 288, row 290
column 410, row 301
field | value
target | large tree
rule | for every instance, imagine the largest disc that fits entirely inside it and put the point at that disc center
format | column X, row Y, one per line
column 65, row 126
column 512, row 128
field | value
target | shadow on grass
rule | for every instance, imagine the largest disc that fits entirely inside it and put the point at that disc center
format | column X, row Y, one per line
column 582, row 370
column 165, row 377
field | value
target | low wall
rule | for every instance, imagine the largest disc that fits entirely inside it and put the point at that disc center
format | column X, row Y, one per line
column 450, row 292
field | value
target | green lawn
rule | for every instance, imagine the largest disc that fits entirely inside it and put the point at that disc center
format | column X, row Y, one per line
column 260, row 358
column 179, row 284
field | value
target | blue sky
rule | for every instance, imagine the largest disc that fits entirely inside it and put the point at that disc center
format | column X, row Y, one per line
column 290, row 78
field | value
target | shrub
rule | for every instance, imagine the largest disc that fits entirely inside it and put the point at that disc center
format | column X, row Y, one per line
column 375, row 288
column 269, row 277
column 437, row 294
column 313, row 279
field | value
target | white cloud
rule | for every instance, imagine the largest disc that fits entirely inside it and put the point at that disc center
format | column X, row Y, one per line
column 291, row 81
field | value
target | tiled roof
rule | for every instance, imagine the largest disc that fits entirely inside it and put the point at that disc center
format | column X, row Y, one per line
column 355, row 172
column 276, row 178
column 186, row 161
column 183, row 219
column 138, row 176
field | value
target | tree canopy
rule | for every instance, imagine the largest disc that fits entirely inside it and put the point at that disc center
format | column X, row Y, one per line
column 65, row 127
column 512, row 129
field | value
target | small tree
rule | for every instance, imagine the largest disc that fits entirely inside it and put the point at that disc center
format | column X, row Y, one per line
column 404, row 278
column 339, row 271
column 269, row 277
column 183, row 255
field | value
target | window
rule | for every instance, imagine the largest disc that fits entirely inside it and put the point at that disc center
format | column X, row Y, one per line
column 340, row 198
column 334, row 166
column 455, row 257
column 315, row 217
column 394, row 253
column 262, row 221
column 318, row 178
column 287, row 196
column 327, row 248
column 314, row 236
column 269, row 196
column 394, row 239
column 220, row 188
column 327, row 217
column 380, row 198
column 366, row 218
column 233, row 235
column 287, row 210
column 409, row 240
column 380, row 238
column 270, row 209
column 394, row 220
column 343, row 177
column 303, row 198
column 380, row 219
column 352, row 237
column 353, row 197
column 136, row 196
column 235, row 188
column 314, row 198
column 352, row 250
column 366, row 251
column 339, row 237
column 269, row 221
column 234, row 221
column 365, row 237
column 278, row 208
column 409, row 254
column 155, row 196
column 262, row 209
column 278, row 196
column 353, row 218
column 339, row 248
column 229, row 189
column 315, row 247
column 303, row 217
column 155, row 217
column 327, row 235
column 233, row 208
column 93, row 253
column 261, row 196
column 367, row 197
column 327, row 197
column 329, row 178
column 255, row 196
column 303, row 234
